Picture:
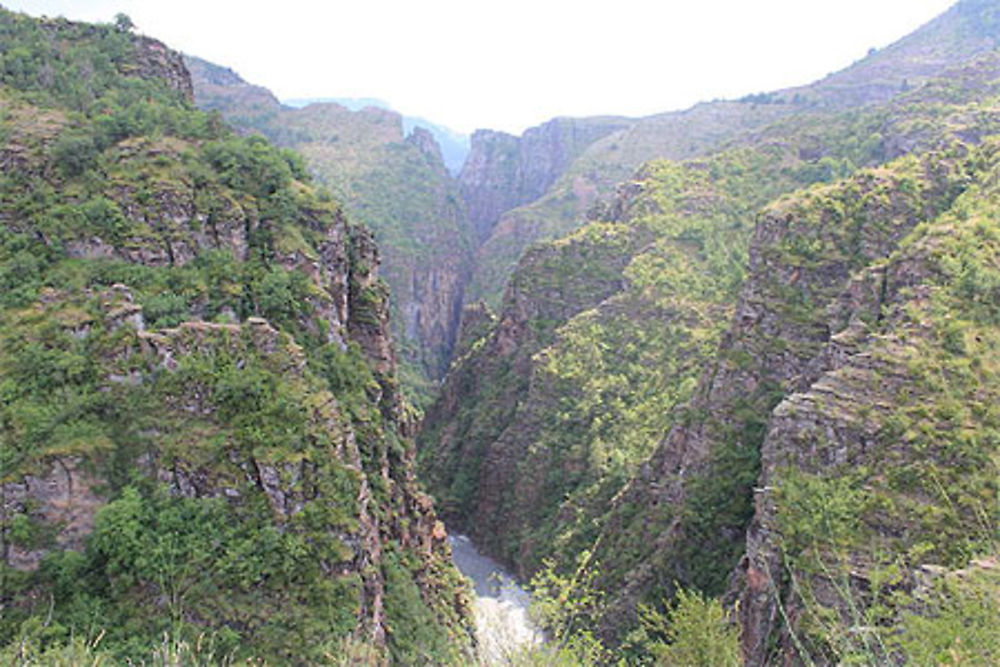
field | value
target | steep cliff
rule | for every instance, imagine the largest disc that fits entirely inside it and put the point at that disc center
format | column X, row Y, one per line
column 546, row 441
column 802, row 389
column 549, row 412
column 202, row 431
column 502, row 171
column 454, row 144
column 959, row 35
column 398, row 186
column 682, row 518
column 592, row 175
column 879, row 467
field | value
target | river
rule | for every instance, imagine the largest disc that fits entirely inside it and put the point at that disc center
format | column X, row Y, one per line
column 501, row 606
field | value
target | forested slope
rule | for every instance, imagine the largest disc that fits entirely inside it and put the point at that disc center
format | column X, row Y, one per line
column 201, row 427
column 682, row 311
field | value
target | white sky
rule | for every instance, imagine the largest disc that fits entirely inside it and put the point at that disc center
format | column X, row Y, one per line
column 515, row 63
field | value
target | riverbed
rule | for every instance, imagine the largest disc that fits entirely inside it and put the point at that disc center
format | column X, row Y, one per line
column 501, row 606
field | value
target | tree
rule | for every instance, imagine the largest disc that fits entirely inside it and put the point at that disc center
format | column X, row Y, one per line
column 699, row 631
column 123, row 22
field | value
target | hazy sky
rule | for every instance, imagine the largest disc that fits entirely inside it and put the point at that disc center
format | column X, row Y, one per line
column 510, row 64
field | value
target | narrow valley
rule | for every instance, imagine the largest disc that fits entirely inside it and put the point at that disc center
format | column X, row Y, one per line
column 288, row 383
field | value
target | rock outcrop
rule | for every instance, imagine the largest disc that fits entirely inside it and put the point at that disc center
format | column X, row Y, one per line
column 154, row 60
column 865, row 427
column 203, row 427
column 502, row 171
column 398, row 186
column 559, row 411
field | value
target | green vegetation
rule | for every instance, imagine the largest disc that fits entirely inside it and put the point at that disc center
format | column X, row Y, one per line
column 81, row 69
column 623, row 318
column 201, row 455
column 618, row 407
column 924, row 497
column 695, row 631
column 156, row 562
column 699, row 633
column 885, row 489
column 396, row 187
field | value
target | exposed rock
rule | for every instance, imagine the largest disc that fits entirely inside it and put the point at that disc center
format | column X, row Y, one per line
column 428, row 145
column 66, row 495
column 221, row 375
column 508, row 447
column 368, row 303
column 502, row 171
column 835, row 428
column 154, row 60
column 398, row 186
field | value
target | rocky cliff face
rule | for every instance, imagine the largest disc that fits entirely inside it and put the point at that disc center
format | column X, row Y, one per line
column 202, row 427
column 853, row 428
column 223, row 90
column 153, row 60
column 471, row 469
column 698, row 483
column 514, row 222
column 399, row 186
column 796, row 390
column 522, row 448
column 555, row 415
column 502, row 171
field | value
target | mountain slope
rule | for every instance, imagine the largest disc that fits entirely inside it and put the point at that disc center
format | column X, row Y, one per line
column 503, row 171
column 202, row 432
column 546, row 441
column 397, row 185
column 965, row 31
column 881, row 463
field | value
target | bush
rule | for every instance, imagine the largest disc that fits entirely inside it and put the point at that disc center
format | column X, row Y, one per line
column 959, row 625
column 700, row 634
column 74, row 152
column 165, row 310
column 106, row 219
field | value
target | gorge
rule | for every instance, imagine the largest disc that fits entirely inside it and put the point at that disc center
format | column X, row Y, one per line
column 718, row 386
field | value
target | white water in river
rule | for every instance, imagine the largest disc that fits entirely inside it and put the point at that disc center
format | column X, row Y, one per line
column 501, row 606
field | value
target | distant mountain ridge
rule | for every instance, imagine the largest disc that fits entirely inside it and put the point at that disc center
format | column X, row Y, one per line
column 969, row 28
column 454, row 145
column 517, row 190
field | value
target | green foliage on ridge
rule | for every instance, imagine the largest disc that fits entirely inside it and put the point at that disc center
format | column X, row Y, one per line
column 631, row 421
column 172, row 360
column 397, row 186
column 924, row 497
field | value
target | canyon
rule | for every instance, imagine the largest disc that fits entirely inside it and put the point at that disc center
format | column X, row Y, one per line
column 721, row 378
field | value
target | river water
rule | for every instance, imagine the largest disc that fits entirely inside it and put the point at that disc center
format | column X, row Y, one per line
column 501, row 606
